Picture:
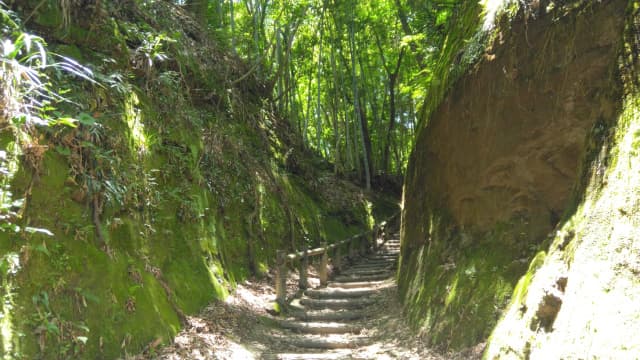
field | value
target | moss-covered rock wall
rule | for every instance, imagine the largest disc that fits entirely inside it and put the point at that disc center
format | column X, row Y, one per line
column 178, row 182
column 581, row 300
column 496, row 164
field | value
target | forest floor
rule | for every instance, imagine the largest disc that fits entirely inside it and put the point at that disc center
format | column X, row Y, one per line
column 242, row 327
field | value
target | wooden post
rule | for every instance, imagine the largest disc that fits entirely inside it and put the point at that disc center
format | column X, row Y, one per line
column 374, row 238
column 322, row 271
column 337, row 260
column 281, row 277
column 304, row 264
column 351, row 256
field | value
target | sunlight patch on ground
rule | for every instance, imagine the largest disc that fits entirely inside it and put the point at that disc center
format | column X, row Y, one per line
column 243, row 294
column 236, row 351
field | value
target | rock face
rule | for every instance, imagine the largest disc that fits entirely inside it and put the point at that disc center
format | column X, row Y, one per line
column 494, row 169
column 583, row 298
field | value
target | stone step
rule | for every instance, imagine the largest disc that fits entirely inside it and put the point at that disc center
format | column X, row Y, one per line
column 382, row 257
column 379, row 258
column 362, row 278
column 325, row 355
column 388, row 262
column 372, row 263
column 371, row 271
column 355, row 276
column 319, row 327
column 330, row 293
column 382, row 265
column 336, row 304
column 358, row 284
column 368, row 270
column 327, row 315
column 326, row 342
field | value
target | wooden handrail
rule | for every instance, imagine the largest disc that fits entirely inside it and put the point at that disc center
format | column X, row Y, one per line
column 283, row 259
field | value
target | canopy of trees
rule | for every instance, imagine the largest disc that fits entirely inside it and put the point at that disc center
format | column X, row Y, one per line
column 343, row 72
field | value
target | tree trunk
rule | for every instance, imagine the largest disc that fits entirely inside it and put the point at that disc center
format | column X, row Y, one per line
column 366, row 99
column 356, row 106
column 232, row 22
column 319, row 78
column 337, row 161
column 392, row 111
column 308, row 115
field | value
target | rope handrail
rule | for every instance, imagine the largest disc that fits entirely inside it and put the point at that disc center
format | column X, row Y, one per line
column 368, row 242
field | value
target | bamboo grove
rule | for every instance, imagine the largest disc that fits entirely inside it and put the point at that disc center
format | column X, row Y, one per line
column 348, row 74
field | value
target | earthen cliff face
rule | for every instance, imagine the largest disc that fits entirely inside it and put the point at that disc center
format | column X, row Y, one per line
column 495, row 168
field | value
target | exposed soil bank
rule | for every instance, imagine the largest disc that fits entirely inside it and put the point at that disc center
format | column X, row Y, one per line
column 503, row 161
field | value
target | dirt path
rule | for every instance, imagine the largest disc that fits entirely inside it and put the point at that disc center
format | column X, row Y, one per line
column 367, row 322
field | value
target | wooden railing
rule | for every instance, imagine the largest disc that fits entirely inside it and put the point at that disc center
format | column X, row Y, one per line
column 357, row 245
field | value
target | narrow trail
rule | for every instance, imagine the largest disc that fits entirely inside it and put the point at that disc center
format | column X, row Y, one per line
column 329, row 322
column 356, row 316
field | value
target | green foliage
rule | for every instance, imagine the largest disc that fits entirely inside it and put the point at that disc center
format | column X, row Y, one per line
column 170, row 182
column 301, row 50
column 28, row 101
column 463, row 43
column 69, row 338
column 456, row 302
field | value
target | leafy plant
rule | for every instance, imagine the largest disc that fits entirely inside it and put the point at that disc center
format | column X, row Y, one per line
column 28, row 100
column 45, row 323
column 151, row 50
column 70, row 337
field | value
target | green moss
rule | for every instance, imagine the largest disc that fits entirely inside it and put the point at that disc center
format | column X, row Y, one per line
column 455, row 293
column 178, row 212
column 49, row 15
column 459, row 41
column 521, row 289
column 70, row 51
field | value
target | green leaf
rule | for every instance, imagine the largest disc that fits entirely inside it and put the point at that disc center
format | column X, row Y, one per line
column 86, row 119
column 63, row 150
column 82, row 327
column 443, row 17
column 33, row 230
column 43, row 249
column 67, row 121
column 45, row 298
column 89, row 296
column 53, row 328
column 87, row 144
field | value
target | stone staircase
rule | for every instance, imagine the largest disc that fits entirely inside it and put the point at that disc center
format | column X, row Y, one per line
column 326, row 323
